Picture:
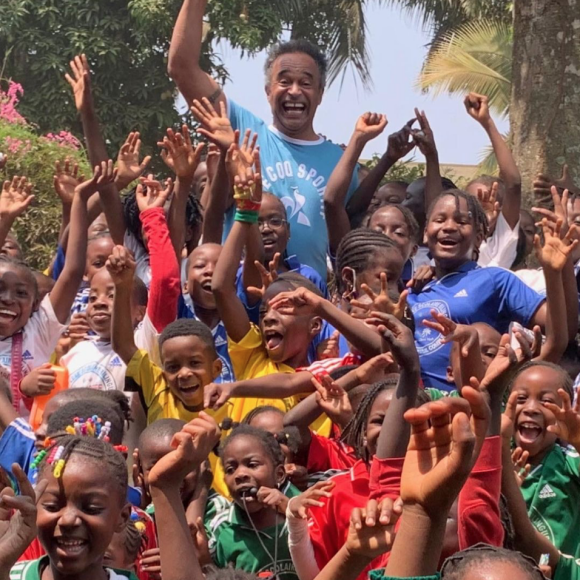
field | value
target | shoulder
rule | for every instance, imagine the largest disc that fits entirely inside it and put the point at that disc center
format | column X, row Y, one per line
column 26, row 570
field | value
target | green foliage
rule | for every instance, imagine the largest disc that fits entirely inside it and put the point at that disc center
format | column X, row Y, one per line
column 401, row 171
column 35, row 156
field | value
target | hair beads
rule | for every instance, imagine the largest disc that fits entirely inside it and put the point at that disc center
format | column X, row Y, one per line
column 91, row 427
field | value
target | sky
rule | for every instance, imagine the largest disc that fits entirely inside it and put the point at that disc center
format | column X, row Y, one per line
column 397, row 49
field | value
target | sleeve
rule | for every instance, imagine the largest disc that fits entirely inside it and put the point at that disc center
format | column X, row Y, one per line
column 146, row 338
column 478, row 507
column 301, row 549
column 572, row 460
column 568, row 568
column 43, row 331
column 354, row 183
column 241, row 352
column 146, row 374
column 242, row 119
column 58, row 263
column 325, row 454
column 500, row 248
column 17, row 446
column 253, row 312
column 165, row 286
column 516, row 300
column 385, row 478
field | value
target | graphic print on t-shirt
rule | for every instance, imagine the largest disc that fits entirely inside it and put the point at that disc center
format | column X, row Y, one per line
column 93, row 375
column 429, row 340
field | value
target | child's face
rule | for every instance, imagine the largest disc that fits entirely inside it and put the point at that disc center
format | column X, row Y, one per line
column 390, row 193
column 188, row 366
column 152, row 452
column 98, row 251
column 52, row 405
column 388, row 260
column 17, row 298
column 376, row 418
column 273, row 423
column 100, row 304
column 535, row 387
column 390, row 221
column 415, row 200
column 273, row 226
column 247, row 464
column 201, row 265
column 78, row 515
column 450, row 233
column 286, row 337
column 11, row 247
column 98, row 226
column 116, row 555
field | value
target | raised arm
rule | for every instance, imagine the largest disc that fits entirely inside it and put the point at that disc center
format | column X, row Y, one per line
column 477, row 106
column 368, row 126
column 425, row 140
column 398, row 146
column 15, row 198
column 121, row 267
column 67, row 285
column 184, row 55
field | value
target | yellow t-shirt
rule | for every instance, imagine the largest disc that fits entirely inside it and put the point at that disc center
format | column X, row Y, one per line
column 250, row 360
column 161, row 403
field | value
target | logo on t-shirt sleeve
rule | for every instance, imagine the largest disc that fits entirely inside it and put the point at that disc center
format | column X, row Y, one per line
column 428, row 340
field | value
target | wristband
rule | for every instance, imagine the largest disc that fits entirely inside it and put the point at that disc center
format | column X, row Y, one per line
column 248, row 205
column 246, row 216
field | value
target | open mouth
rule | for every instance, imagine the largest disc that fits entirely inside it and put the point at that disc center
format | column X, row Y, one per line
column 70, row 546
column 529, row 432
column 246, row 493
column 7, row 315
column 273, row 339
column 293, row 109
column 269, row 242
column 188, row 390
column 448, row 242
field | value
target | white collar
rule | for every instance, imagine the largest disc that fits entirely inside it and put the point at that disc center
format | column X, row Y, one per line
column 318, row 141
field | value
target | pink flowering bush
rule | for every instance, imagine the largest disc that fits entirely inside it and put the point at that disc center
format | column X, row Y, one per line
column 34, row 156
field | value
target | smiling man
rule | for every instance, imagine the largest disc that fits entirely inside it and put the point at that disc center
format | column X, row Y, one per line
column 296, row 161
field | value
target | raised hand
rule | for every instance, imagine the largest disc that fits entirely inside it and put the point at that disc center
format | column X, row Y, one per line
column 401, row 142
column 333, row 400
column 215, row 127
column 421, row 277
column 298, row 506
column 20, row 529
column 248, row 184
column 381, row 302
column 121, row 266
column 369, row 126
column 212, row 160
column 66, row 179
column 273, row 498
column 397, row 339
column 489, row 204
column 80, row 82
column 560, row 203
column 464, row 334
column 39, row 381
column 329, row 348
column 178, row 153
column 78, row 328
column 477, row 106
column 15, row 197
column 151, row 563
column 128, row 166
column 423, row 137
column 103, row 175
column 373, row 370
column 191, row 447
column 521, row 466
column 567, row 424
column 555, row 252
column 543, row 183
column 299, row 302
column 372, row 528
column 241, row 157
column 150, row 192
column 268, row 276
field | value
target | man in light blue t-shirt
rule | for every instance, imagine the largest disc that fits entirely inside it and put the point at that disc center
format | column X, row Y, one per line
column 296, row 161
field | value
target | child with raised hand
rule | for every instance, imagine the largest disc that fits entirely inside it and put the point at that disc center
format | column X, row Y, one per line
column 542, row 421
column 368, row 127
column 36, row 333
column 15, row 198
column 500, row 248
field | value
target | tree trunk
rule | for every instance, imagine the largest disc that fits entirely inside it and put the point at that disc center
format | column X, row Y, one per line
column 545, row 102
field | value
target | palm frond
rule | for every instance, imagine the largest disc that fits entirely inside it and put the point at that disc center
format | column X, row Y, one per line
column 475, row 57
column 488, row 162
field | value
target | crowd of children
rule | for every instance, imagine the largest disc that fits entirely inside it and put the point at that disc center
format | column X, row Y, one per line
column 277, row 365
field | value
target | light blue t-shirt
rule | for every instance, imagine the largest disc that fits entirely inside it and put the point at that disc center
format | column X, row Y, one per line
column 471, row 294
column 297, row 172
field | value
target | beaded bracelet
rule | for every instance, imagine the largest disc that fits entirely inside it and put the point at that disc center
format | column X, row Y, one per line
column 246, row 216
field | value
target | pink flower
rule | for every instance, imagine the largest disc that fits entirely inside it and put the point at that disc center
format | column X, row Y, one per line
column 8, row 102
column 64, row 139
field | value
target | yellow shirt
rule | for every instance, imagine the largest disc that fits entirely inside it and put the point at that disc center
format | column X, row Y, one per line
column 161, row 403
column 250, row 360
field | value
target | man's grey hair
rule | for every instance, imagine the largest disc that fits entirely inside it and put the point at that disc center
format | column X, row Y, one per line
column 293, row 46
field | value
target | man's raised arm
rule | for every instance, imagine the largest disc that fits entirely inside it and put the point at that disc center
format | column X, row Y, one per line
column 184, row 53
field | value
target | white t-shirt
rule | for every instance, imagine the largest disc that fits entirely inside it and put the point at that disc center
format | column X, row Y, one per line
column 501, row 247
column 39, row 339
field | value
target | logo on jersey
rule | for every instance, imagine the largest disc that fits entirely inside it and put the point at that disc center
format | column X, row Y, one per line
column 26, row 355
column 294, row 206
column 547, row 492
column 461, row 294
column 94, row 376
column 428, row 340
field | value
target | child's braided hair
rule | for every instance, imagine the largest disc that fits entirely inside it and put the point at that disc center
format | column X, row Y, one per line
column 354, row 434
column 268, row 441
column 135, row 537
column 289, row 436
column 455, row 567
column 566, row 380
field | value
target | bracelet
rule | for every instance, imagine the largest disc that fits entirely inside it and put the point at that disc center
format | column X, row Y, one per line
column 246, row 216
column 248, row 205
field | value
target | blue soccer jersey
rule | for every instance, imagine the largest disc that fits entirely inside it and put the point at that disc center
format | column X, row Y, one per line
column 297, row 172
column 471, row 294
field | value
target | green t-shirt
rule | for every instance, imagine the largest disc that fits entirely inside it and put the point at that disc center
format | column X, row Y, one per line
column 437, row 394
column 379, row 574
column 237, row 543
column 32, row 570
column 567, row 569
column 552, row 495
